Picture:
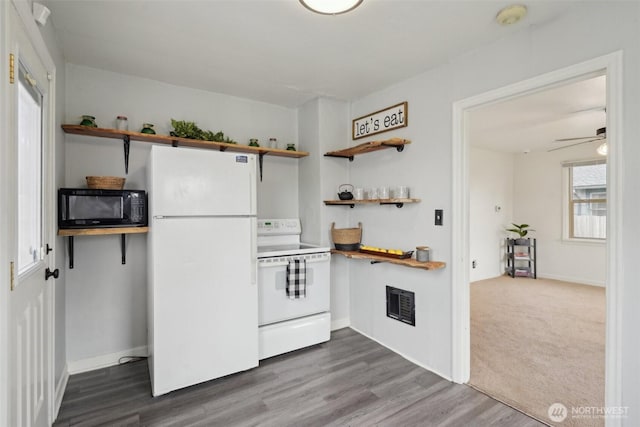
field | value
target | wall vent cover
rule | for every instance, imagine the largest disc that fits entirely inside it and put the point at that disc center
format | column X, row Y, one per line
column 401, row 305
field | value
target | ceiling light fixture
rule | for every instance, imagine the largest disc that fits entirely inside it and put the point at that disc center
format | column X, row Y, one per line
column 331, row 7
column 603, row 149
column 511, row 14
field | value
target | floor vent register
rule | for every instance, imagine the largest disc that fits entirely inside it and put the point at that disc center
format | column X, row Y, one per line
column 401, row 305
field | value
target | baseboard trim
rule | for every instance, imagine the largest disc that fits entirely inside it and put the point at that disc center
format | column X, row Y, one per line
column 104, row 361
column 410, row 359
column 572, row 280
column 61, row 387
column 340, row 323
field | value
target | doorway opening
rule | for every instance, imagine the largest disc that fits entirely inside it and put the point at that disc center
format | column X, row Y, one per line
column 611, row 66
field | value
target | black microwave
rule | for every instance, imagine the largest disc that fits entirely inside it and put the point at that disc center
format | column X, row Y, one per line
column 93, row 208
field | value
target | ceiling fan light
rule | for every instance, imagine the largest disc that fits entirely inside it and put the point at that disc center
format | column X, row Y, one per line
column 603, row 149
column 331, row 7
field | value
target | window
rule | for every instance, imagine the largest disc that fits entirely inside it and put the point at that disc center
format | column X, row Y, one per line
column 587, row 199
column 29, row 172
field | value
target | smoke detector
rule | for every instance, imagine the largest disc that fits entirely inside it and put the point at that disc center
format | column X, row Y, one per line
column 511, row 14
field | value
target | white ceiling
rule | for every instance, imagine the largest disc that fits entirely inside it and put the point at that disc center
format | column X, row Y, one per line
column 277, row 51
column 533, row 122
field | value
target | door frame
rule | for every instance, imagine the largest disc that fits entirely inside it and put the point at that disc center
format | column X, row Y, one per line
column 23, row 9
column 611, row 64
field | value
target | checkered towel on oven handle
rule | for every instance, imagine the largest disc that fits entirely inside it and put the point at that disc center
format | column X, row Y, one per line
column 297, row 279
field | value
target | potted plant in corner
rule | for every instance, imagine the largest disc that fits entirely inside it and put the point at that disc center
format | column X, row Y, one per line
column 521, row 230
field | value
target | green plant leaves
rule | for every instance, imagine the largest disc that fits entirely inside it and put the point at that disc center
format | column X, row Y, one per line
column 520, row 229
column 184, row 129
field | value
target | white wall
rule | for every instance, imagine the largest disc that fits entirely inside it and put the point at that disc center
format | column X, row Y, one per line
column 529, row 189
column 323, row 126
column 538, row 201
column 106, row 301
column 588, row 30
column 424, row 166
column 491, row 185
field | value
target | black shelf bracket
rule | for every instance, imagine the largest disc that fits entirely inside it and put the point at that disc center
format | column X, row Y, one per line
column 123, row 248
column 174, row 143
column 339, row 156
column 126, row 145
column 399, row 148
column 260, row 159
column 375, row 262
column 398, row 204
column 70, row 252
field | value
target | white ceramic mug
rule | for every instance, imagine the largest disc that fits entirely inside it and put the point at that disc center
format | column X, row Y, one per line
column 402, row 192
column 358, row 193
column 383, row 192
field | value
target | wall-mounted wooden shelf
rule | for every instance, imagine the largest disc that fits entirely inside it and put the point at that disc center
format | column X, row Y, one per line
column 368, row 147
column 407, row 262
column 398, row 202
column 128, row 136
column 123, row 231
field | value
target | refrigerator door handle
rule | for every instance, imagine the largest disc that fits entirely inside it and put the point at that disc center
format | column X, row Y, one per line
column 254, row 251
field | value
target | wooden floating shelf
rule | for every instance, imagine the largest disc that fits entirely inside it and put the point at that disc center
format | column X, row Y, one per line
column 398, row 202
column 368, row 147
column 101, row 231
column 176, row 141
column 70, row 233
column 407, row 262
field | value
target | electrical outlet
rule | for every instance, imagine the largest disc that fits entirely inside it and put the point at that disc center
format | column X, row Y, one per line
column 438, row 216
column 473, row 264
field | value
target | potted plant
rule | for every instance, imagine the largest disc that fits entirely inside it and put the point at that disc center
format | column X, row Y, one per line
column 521, row 230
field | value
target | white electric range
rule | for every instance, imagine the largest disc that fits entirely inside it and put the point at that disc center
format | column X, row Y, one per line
column 289, row 324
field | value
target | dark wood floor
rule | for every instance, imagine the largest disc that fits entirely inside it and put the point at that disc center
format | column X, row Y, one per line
column 348, row 381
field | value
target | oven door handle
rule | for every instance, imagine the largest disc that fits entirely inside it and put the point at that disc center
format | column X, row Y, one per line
column 263, row 264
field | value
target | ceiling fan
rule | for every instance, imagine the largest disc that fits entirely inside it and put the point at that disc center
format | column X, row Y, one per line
column 601, row 134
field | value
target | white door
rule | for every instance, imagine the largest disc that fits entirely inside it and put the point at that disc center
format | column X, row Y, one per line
column 30, row 214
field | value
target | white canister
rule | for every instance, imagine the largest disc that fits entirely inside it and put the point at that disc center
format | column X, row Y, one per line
column 422, row 253
column 358, row 193
column 372, row 193
column 402, row 192
column 383, row 192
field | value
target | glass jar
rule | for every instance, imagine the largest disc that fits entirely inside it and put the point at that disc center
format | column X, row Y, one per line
column 273, row 143
column 148, row 128
column 122, row 123
column 88, row 121
column 291, row 147
column 253, row 142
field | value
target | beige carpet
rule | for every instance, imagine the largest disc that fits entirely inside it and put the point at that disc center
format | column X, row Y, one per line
column 538, row 342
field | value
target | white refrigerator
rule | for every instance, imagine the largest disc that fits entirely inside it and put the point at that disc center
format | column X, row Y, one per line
column 202, row 292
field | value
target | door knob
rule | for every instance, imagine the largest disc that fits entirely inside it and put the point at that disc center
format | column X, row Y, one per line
column 48, row 273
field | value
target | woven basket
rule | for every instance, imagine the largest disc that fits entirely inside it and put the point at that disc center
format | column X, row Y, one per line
column 105, row 182
column 346, row 239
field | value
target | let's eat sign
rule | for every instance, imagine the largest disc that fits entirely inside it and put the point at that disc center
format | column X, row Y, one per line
column 390, row 118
